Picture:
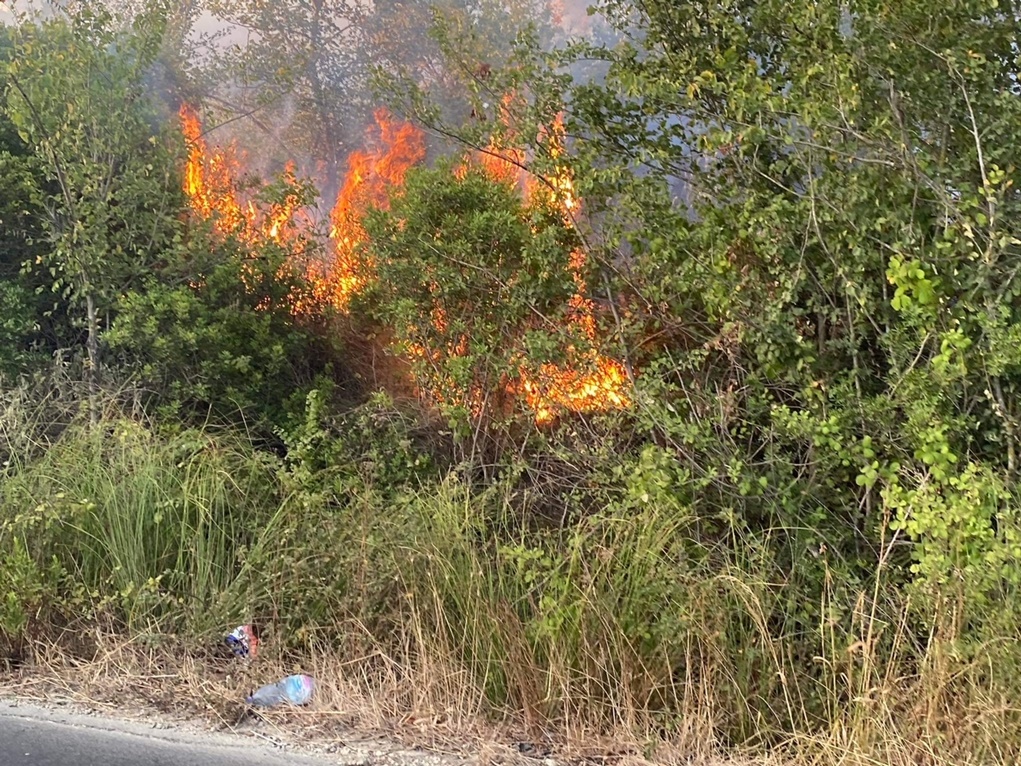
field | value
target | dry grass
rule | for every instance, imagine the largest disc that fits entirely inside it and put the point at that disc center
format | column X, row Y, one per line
column 360, row 700
column 382, row 704
column 425, row 628
column 367, row 700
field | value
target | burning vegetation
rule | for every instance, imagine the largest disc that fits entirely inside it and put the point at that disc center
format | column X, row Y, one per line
column 590, row 382
column 586, row 382
column 213, row 184
column 372, row 175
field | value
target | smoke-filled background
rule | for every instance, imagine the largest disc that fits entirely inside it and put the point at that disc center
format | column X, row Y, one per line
column 295, row 81
column 299, row 81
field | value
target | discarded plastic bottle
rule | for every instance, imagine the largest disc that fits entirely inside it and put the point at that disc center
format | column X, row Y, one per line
column 297, row 690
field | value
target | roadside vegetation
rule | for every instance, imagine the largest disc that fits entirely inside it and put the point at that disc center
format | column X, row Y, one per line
column 671, row 400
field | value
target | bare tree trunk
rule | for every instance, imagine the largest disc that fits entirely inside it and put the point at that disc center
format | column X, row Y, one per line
column 330, row 147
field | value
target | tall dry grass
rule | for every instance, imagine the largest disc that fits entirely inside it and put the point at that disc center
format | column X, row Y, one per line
column 624, row 630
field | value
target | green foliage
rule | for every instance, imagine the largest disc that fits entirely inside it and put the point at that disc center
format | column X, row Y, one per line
column 376, row 442
column 78, row 96
column 27, row 590
column 967, row 532
column 472, row 281
column 803, row 220
column 17, row 324
column 19, row 235
column 845, row 272
column 323, row 569
column 226, row 345
column 806, row 217
column 120, row 521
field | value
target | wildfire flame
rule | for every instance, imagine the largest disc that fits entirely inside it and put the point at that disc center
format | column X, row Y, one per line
column 589, row 382
column 372, row 174
column 212, row 182
column 213, row 185
column 501, row 160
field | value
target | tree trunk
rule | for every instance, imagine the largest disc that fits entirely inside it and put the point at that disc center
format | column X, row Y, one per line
column 92, row 363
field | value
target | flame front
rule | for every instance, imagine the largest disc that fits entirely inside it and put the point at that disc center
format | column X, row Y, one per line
column 589, row 382
column 212, row 182
column 372, row 175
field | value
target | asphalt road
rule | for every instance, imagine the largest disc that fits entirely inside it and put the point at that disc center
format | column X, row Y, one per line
column 35, row 736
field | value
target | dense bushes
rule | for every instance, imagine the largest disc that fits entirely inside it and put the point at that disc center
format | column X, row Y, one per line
column 803, row 525
column 639, row 615
column 220, row 350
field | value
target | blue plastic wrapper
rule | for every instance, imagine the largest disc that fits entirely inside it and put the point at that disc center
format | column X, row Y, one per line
column 243, row 642
column 295, row 690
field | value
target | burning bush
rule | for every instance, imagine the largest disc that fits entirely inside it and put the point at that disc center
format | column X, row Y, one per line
column 476, row 283
column 500, row 284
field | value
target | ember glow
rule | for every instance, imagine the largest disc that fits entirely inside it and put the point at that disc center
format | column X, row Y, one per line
column 588, row 382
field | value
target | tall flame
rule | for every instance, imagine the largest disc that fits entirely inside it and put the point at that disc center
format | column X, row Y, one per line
column 590, row 382
column 212, row 182
column 372, row 174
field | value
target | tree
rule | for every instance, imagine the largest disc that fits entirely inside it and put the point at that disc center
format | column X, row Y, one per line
column 20, row 235
column 78, row 96
column 836, row 305
column 825, row 326
column 301, row 76
column 304, row 75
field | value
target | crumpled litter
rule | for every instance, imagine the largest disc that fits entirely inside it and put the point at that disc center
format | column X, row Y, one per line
column 243, row 641
column 297, row 690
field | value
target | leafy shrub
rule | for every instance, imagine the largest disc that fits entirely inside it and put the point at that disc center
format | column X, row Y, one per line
column 227, row 346
column 17, row 326
column 474, row 283
column 325, row 560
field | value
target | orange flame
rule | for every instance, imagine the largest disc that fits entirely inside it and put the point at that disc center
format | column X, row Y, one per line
column 553, row 388
column 212, row 182
column 501, row 160
column 589, row 382
column 372, row 175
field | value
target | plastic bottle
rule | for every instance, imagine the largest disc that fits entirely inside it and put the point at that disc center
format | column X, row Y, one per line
column 296, row 690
